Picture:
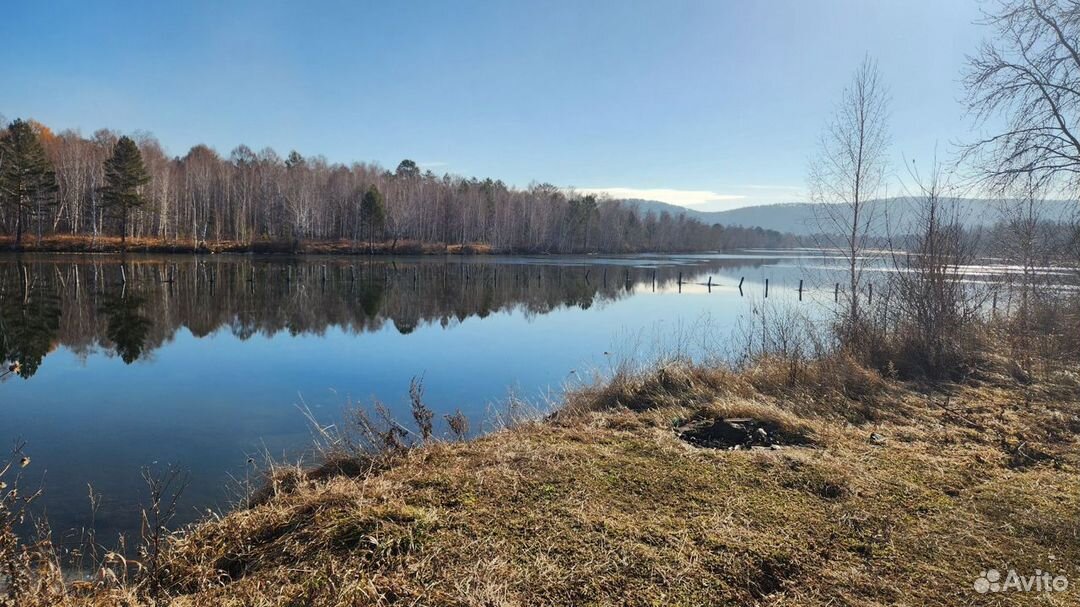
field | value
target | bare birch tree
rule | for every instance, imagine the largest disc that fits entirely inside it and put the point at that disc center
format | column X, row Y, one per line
column 846, row 175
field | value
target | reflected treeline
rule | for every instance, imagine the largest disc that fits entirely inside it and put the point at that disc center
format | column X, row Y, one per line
column 30, row 315
column 130, row 307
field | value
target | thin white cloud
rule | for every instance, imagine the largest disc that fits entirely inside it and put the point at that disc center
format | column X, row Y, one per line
column 680, row 197
column 754, row 186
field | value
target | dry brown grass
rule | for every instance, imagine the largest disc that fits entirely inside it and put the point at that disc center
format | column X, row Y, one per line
column 603, row 504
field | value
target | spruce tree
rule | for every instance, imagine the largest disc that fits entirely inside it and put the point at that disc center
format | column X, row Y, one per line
column 124, row 175
column 27, row 180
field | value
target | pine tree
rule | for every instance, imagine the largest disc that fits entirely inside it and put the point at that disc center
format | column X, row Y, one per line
column 372, row 214
column 124, row 175
column 408, row 169
column 27, row 180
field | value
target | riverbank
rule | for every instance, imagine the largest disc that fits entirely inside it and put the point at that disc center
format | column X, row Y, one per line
column 112, row 244
column 845, row 489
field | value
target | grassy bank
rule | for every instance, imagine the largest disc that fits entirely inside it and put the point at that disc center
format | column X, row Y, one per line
column 111, row 244
column 880, row 493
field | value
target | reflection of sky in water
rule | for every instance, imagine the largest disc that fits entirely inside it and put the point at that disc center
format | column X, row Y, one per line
column 209, row 402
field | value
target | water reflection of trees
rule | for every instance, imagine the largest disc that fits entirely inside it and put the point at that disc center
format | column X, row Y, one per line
column 91, row 304
column 125, row 326
column 29, row 319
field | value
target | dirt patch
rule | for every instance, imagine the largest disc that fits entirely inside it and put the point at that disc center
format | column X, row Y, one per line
column 739, row 433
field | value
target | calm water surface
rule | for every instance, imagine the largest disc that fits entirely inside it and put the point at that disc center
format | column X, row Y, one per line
column 203, row 361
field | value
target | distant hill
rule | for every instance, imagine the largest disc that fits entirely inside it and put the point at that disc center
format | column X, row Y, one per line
column 656, row 207
column 801, row 218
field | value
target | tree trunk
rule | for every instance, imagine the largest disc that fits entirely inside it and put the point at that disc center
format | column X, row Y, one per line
column 18, row 226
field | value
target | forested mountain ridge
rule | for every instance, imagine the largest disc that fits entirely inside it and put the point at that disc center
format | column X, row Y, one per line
column 894, row 214
column 250, row 197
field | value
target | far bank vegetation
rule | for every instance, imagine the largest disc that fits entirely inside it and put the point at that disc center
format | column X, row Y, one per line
column 72, row 192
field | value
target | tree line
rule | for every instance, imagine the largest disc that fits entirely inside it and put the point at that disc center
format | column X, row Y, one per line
column 115, row 185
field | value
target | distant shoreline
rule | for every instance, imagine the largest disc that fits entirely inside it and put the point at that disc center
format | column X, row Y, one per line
column 111, row 244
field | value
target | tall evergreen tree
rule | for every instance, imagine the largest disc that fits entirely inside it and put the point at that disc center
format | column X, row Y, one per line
column 372, row 214
column 27, row 180
column 408, row 169
column 124, row 175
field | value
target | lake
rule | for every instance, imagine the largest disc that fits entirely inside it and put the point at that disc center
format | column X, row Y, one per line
column 205, row 361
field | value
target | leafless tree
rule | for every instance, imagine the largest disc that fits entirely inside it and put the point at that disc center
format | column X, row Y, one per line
column 1028, row 77
column 1025, row 243
column 846, row 174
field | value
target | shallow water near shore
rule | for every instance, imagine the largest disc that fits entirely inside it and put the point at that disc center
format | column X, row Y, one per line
column 206, row 361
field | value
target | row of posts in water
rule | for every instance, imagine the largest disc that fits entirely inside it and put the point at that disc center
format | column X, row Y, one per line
column 286, row 273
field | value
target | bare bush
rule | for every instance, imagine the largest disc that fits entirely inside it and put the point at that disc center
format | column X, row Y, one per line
column 165, row 488
column 936, row 306
column 422, row 414
column 379, row 435
column 781, row 333
column 459, row 425
column 16, row 558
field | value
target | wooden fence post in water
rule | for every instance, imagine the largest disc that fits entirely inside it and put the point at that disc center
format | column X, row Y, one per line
column 766, row 288
column 836, row 293
column 710, row 284
column 870, row 293
column 741, row 279
column 800, row 289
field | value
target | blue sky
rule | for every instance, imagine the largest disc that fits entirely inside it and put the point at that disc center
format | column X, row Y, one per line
column 710, row 104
